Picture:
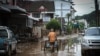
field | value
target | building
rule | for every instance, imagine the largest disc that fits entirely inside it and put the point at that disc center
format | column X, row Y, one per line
column 62, row 8
column 45, row 10
column 15, row 17
column 42, row 10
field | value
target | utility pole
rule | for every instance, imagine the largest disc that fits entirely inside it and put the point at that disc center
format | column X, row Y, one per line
column 97, row 12
column 61, row 18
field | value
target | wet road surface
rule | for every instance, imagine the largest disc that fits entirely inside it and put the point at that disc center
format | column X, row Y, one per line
column 34, row 49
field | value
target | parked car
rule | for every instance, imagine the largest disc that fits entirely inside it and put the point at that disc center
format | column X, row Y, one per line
column 7, row 41
column 90, row 40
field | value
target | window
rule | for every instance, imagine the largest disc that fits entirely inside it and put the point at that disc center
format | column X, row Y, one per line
column 92, row 32
column 3, row 33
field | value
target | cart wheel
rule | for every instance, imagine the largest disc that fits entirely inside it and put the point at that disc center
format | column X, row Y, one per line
column 44, row 48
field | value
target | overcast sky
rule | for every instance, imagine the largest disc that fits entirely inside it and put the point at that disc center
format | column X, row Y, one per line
column 84, row 6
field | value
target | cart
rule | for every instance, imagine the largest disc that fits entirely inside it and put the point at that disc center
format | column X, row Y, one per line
column 47, row 45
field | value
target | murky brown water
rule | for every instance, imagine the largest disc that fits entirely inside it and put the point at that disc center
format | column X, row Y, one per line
column 34, row 49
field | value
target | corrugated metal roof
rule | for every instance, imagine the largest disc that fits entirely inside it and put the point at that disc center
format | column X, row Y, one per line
column 33, row 6
column 15, row 9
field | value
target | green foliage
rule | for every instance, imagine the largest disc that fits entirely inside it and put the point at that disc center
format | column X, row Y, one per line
column 53, row 24
column 69, row 28
column 78, row 17
column 68, row 15
column 81, row 25
column 69, row 25
column 93, row 23
column 91, row 18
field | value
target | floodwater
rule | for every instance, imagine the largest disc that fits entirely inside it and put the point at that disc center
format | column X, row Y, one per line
column 37, row 49
column 34, row 49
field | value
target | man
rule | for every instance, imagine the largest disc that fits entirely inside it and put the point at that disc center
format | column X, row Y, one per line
column 52, row 38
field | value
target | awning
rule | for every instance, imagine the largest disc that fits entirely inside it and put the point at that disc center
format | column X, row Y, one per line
column 15, row 9
column 4, row 10
column 30, row 17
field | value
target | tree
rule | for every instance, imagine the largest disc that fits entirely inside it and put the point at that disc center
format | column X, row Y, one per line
column 53, row 24
column 91, row 18
column 78, row 17
column 68, row 15
column 69, row 24
column 81, row 25
column 69, row 28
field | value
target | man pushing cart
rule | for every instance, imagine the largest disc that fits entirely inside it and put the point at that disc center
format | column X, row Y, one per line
column 52, row 42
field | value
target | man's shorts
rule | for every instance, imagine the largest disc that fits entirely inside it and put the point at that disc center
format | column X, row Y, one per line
column 52, row 43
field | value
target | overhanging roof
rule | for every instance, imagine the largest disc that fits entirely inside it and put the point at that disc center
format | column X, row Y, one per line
column 15, row 9
column 33, row 6
column 30, row 17
column 33, row 18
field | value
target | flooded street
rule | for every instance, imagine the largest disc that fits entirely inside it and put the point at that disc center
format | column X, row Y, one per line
column 49, row 27
column 34, row 49
column 28, row 49
column 37, row 49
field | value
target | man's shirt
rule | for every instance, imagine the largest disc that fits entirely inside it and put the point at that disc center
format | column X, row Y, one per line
column 52, row 36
